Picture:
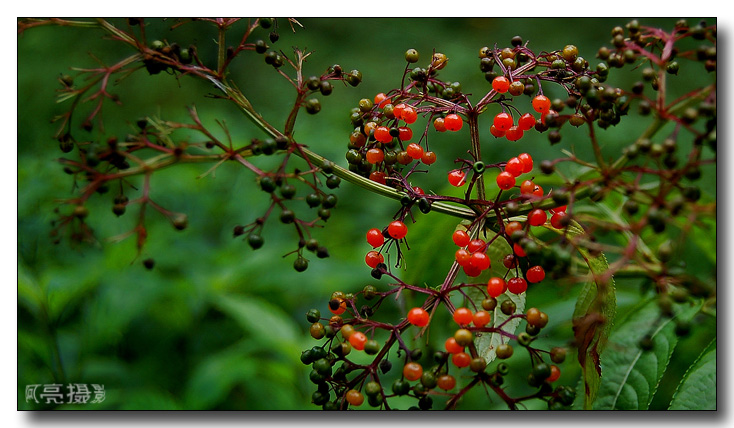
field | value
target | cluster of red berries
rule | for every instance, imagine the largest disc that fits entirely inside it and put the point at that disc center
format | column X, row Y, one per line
column 376, row 238
column 504, row 126
column 471, row 255
column 521, row 164
column 376, row 144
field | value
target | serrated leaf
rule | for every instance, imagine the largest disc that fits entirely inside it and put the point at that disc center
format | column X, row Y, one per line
column 487, row 343
column 697, row 389
column 631, row 374
column 593, row 318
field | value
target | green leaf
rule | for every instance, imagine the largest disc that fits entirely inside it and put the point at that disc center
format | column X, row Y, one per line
column 215, row 376
column 630, row 374
column 261, row 319
column 697, row 389
column 593, row 318
column 30, row 293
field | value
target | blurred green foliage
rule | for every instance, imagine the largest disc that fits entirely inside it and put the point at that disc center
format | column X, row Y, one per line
column 216, row 325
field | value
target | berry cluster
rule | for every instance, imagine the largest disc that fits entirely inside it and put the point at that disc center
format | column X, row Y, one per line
column 513, row 237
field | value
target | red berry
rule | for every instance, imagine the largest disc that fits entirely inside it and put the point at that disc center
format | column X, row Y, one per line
column 527, row 161
column 428, row 158
column 453, row 122
column 373, row 258
column 476, row 245
column 526, row 122
column 537, row 217
column 557, row 219
column 481, row 318
column 457, row 178
column 510, row 261
column 357, row 340
column 517, row 249
column 439, row 124
column 480, row 260
column 418, row 190
column 462, row 257
column 382, row 134
column 503, row 121
column 461, row 359
column 496, row 286
column 452, row 347
column 375, row 155
column 354, row 397
column 397, row 110
column 535, row 274
column 378, row 177
column 541, row 104
column 517, row 285
column 397, row 229
column 414, row 150
column 529, row 188
column 512, row 227
column 501, row 84
column 514, row 133
column 446, row 382
column 381, row 100
column 412, row 371
column 496, row 132
column 555, row 374
column 409, row 114
column 461, row 238
column 418, row 317
column 405, row 133
column 375, row 237
column 463, row 316
column 505, row 180
column 514, row 166
column 471, row 271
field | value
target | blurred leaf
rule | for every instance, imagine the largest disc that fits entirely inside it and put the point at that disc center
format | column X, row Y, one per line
column 30, row 293
column 431, row 256
column 631, row 374
column 149, row 399
column 264, row 321
column 215, row 376
column 706, row 245
column 697, row 389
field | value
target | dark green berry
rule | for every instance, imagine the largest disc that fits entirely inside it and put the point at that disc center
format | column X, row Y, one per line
column 256, row 241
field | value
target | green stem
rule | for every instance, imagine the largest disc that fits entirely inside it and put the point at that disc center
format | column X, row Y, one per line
column 221, row 49
column 476, row 149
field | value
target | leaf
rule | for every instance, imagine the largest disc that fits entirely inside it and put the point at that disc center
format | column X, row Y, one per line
column 592, row 318
column 30, row 293
column 631, row 374
column 697, row 389
column 215, row 376
column 261, row 319
column 592, row 323
column 487, row 343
